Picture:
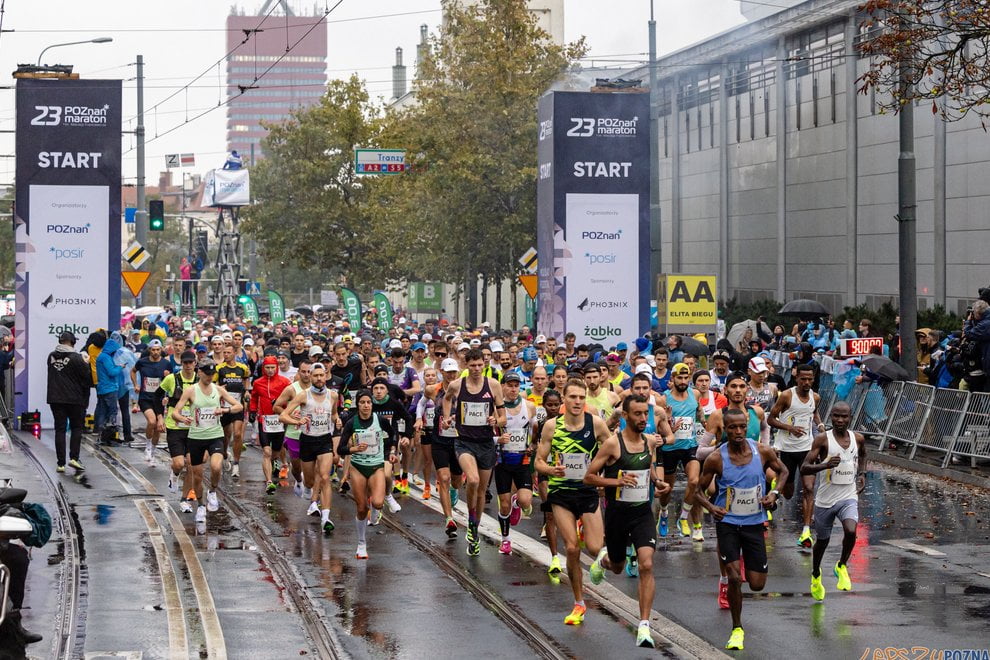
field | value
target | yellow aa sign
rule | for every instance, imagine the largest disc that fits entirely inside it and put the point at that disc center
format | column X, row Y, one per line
column 688, row 301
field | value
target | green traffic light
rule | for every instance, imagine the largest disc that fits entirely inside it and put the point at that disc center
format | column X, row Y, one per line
column 156, row 215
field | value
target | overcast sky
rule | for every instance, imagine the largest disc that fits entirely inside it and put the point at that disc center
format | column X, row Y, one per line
column 179, row 39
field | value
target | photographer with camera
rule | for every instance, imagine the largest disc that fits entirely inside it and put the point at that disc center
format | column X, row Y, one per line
column 976, row 343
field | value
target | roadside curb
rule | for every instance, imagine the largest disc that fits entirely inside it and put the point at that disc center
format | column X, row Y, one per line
column 932, row 470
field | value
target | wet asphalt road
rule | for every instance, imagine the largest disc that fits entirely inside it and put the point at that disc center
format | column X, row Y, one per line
column 921, row 576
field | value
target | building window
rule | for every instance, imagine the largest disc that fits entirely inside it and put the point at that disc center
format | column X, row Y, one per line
column 814, row 100
column 752, row 117
column 687, row 133
column 711, row 125
column 797, row 101
column 699, row 128
column 766, row 112
column 665, row 152
column 831, row 96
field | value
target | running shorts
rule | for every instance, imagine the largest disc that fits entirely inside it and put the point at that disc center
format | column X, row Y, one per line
column 273, row 439
column 825, row 516
column 147, row 404
column 445, row 457
column 176, row 440
column 227, row 419
column 674, row 457
column 507, row 475
column 312, row 446
column 746, row 540
column 427, row 437
column 578, row 502
column 292, row 445
column 483, row 452
column 625, row 526
column 793, row 461
column 198, row 449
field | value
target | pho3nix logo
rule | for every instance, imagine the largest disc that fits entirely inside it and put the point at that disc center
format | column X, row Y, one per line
column 603, row 127
column 602, row 332
column 70, row 115
column 587, row 304
column 51, row 301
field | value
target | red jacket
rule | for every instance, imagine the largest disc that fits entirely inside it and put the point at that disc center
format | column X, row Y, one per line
column 265, row 391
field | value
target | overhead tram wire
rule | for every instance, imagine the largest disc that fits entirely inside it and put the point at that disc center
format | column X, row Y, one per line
column 243, row 89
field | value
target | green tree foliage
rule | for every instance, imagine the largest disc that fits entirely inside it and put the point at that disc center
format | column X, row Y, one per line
column 310, row 208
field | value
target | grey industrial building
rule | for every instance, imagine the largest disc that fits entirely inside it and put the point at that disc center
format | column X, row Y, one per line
column 779, row 177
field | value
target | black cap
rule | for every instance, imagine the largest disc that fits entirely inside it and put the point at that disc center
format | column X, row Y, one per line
column 380, row 367
column 511, row 376
column 207, row 366
column 67, row 337
column 188, row 356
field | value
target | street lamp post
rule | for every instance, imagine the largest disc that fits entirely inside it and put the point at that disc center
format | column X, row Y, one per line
column 98, row 40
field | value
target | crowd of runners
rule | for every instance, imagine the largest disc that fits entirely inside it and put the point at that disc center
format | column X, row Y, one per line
column 590, row 438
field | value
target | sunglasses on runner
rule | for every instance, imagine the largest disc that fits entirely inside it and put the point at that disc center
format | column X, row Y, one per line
column 441, row 355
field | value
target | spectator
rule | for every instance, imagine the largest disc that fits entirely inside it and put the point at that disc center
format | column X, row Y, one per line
column 976, row 330
column 68, row 395
column 6, row 359
column 185, row 275
column 925, row 347
column 107, row 382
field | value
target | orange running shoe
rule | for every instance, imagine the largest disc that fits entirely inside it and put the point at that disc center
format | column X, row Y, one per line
column 426, row 491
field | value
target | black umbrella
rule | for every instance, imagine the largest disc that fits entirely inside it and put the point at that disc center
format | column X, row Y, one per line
column 804, row 307
column 305, row 310
column 692, row 346
column 885, row 367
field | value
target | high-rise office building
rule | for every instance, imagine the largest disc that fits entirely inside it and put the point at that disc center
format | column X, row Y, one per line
column 273, row 81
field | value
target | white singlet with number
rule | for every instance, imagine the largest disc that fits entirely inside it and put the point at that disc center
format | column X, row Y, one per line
column 638, row 493
column 207, row 419
column 518, row 441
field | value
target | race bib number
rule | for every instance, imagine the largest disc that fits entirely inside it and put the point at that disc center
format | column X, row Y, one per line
column 431, row 417
column 151, row 384
column 207, row 419
column 518, row 441
column 448, row 433
column 638, row 493
column 575, row 465
column 541, row 414
column 400, row 426
column 743, row 501
column 843, row 474
column 272, row 424
column 318, row 423
column 474, row 413
column 699, row 433
column 186, row 412
column 683, row 428
column 368, row 437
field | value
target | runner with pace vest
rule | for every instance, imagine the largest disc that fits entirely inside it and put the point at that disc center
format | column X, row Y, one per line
column 740, row 509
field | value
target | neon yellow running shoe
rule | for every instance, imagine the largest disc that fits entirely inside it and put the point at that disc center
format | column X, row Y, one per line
column 735, row 642
column 684, row 526
column 804, row 541
column 555, row 569
column 576, row 617
column 842, row 573
column 817, row 588
column 596, row 570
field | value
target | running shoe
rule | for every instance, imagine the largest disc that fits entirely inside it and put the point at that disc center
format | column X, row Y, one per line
column 643, row 637
column 426, row 491
column 405, row 486
column 397, row 487
column 662, row 525
column 313, row 510
column 515, row 513
column 543, row 531
column 842, row 573
column 344, row 487
column 271, row 488
column 576, row 617
column 506, row 547
column 474, row 549
column 804, row 541
column 632, row 568
column 185, row 506
column 817, row 588
column 451, row 529
column 684, row 526
column 362, row 551
column 60, row 469
column 226, row 464
column 173, row 482
column 471, row 535
column 723, row 595
column 276, row 466
column 766, row 523
column 283, row 472
column 375, row 517
column 697, row 534
column 76, row 465
column 454, row 496
column 191, row 495
column 418, row 480
column 149, row 454
column 393, row 506
column 307, row 493
column 297, row 489
column 555, row 569
column 235, row 471
column 735, row 642
column 595, row 570
column 201, row 514
column 328, row 526
column 212, row 502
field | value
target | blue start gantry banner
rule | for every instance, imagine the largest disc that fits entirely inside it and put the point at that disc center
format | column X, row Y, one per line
column 66, row 221
column 593, row 215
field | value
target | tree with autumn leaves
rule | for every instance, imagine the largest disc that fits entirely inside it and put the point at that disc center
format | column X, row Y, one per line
column 467, row 203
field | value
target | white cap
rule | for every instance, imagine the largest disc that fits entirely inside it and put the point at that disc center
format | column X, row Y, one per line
column 339, row 339
column 475, row 343
column 650, row 360
column 395, row 343
column 758, row 365
column 540, row 339
column 357, row 341
column 316, row 350
column 402, row 320
column 643, row 369
column 486, row 324
column 450, row 364
column 496, row 347
column 308, row 343
column 414, row 337
column 426, row 337
column 462, row 347
column 248, row 341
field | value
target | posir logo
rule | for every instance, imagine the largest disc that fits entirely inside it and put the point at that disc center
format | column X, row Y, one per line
column 56, row 329
column 67, row 253
column 601, row 235
column 599, row 259
column 70, row 115
column 68, row 229
column 602, row 127
column 602, row 332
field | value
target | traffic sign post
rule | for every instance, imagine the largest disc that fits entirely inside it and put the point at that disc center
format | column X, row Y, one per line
column 379, row 161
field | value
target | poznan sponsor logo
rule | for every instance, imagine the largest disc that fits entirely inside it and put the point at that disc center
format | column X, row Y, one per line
column 68, row 229
column 602, row 332
column 601, row 235
column 603, row 127
column 70, row 115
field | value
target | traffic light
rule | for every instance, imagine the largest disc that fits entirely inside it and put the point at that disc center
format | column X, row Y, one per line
column 156, row 215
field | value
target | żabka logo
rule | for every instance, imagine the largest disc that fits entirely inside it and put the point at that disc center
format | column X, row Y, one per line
column 56, row 329
column 602, row 332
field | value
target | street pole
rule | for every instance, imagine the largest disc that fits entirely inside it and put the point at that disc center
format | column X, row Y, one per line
column 141, row 214
column 252, row 246
column 656, row 245
column 906, row 231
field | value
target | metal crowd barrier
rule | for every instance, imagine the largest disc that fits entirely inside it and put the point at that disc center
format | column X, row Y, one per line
column 954, row 424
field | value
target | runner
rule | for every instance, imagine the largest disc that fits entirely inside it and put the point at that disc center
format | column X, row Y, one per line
column 551, row 403
column 398, row 416
column 761, row 393
column 794, row 413
column 367, row 439
column 318, row 406
column 271, row 431
column 349, row 369
column 629, row 475
column 152, row 369
column 479, row 408
column 405, row 378
column 682, row 401
column 720, row 369
column 838, row 457
column 603, row 401
column 205, row 433
column 572, row 439
column 540, row 382
column 424, row 414
column 739, row 466
column 234, row 377
column 444, row 456
column 176, row 433
column 513, row 466
column 292, row 432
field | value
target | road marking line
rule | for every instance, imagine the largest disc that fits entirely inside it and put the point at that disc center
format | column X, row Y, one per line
column 216, row 647
column 619, row 603
column 178, row 642
column 914, row 547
